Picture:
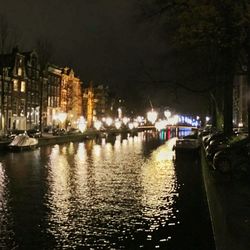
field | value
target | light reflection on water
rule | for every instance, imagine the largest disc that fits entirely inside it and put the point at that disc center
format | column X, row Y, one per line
column 87, row 194
column 98, row 193
column 6, row 232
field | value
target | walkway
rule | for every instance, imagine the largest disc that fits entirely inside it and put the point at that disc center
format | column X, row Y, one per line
column 229, row 205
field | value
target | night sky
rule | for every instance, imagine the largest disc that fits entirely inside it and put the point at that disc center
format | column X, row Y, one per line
column 105, row 41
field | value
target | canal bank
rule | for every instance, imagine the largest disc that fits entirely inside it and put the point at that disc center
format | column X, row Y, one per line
column 229, row 206
column 49, row 139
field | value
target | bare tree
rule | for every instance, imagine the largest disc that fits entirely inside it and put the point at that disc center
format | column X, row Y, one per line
column 45, row 51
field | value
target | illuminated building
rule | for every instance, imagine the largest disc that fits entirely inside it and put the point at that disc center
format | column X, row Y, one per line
column 14, row 91
column 53, row 93
column 33, row 89
column 70, row 96
column 95, row 101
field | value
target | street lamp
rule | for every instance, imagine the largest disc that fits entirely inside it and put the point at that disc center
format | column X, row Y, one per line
column 109, row 121
column 125, row 120
column 130, row 125
column 118, row 124
column 167, row 114
column 97, row 124
column 152, row 116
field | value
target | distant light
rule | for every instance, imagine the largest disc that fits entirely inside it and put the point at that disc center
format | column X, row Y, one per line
column 175, row 119
column 240, row 125
column 82, row 124
column 109, row 121
column 131, row 125
column 119, row 110
column 97, row 124
column 152, row 116
column 118, row 124
column 161, row 125
column 207, row 118
column 125, row 120
column 167, row 114
column 139, row 119
column 136, row 124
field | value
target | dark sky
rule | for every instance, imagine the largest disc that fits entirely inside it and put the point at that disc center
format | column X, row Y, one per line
column 101, row 40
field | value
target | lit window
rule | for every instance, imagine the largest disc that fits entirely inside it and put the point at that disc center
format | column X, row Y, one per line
column 15, row 85
column 19, row 71
column 23, row 86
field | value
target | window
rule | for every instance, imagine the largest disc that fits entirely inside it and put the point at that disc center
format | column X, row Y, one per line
column 19, row 71
column 15, row 85
column 23, row 86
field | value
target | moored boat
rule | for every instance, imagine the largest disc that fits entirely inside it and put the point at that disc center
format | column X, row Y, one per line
column 23, row 142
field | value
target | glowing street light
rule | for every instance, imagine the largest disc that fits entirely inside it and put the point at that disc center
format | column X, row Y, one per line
column 119, row 110
column 125, row 120
column 136, row 124
column 161, row 125
column 167, row 114
column 97, row 124
column 152, row 116
column 109, row 121
column 131, row 125
column 118, row 124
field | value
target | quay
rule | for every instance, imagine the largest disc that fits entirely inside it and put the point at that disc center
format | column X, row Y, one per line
column 229, row 206
column 49, row 139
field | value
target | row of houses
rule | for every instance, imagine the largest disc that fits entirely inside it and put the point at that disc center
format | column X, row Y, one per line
column 31, row 97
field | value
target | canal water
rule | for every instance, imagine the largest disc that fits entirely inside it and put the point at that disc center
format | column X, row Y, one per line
column 125, row 194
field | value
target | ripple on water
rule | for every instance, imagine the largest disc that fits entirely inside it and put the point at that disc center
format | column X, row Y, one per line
column 102, row 196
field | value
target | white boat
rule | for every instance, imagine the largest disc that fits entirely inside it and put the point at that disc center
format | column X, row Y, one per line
column 23, row 142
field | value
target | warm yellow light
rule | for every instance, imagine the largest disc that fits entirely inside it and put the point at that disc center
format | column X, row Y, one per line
column 139, row 119
column 82, row 125
column 118, row 124
column 97, row 124
column 109, row 121
column 131, row 125
column 125, row 120
column 61, row 117
column 136, row 124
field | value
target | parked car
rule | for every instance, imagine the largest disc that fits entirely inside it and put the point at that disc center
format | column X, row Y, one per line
column 234, row 159
column 215, row 146
column 218, row 136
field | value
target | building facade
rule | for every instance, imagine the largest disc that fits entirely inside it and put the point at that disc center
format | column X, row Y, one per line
column 71, row 97
column 13, row 81
column 33, row 93
column 53, row 85
column 95, row 102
